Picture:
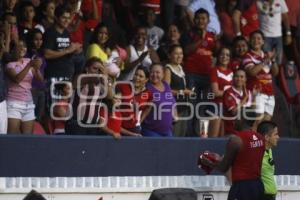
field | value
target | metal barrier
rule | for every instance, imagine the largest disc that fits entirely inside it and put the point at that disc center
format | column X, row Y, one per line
column 69, row 167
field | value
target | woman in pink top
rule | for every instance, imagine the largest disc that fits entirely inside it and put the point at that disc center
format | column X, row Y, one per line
column 20, row 107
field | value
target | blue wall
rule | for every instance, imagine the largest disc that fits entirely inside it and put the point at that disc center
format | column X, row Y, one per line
column 47, row 156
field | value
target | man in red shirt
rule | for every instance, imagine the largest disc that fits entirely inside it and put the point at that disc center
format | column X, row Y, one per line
column 199, row 51
column 244, row 153
column 199, row 59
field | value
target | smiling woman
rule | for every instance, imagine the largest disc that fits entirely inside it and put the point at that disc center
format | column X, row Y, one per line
column 135, row 101
column 103, row 47
column 20, row 106
column 158, row 122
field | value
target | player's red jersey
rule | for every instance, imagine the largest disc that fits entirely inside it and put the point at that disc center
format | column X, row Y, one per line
column 249, row 20
column 132, row 104
column 231, row 99
column 200, row 61
column 247, row 164
column 223, row 77
column 263, row 79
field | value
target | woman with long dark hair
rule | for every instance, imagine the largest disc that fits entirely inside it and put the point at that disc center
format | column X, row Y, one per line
column 135, row 101
column 102, row 47
column 34, row 43
column 221, row 79
column 175, row 77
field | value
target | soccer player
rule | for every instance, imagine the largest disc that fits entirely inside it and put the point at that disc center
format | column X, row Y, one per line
column 244, row 154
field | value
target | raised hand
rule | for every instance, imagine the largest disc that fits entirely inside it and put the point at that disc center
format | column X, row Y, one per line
column 36, row 63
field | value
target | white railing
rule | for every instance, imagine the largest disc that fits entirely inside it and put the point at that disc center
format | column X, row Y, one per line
column 134, row 188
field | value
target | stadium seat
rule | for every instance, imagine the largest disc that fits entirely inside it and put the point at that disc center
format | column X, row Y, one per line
column 290, row 82
column 173, row 194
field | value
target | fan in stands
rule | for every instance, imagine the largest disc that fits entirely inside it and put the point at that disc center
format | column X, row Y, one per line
column 214, row 157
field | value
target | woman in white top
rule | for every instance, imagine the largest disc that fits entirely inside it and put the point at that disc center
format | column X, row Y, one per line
column 175, row 77
column 138, row 54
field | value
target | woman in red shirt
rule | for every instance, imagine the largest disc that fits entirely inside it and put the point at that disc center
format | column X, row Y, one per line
column 135, row 99
column 220, row 79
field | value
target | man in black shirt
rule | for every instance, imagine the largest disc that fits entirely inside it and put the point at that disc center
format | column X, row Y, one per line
column 58, row 51
column 58, row 48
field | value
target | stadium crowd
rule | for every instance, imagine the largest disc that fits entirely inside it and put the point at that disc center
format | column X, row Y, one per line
column 143, row 67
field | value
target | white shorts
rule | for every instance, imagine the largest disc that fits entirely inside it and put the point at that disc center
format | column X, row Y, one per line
column 3, row 117
column 20, row 110
column 265, row 104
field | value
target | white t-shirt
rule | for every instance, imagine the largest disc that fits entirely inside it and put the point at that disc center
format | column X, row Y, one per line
column 154, row 35
column 134, row 55
column 270, row 18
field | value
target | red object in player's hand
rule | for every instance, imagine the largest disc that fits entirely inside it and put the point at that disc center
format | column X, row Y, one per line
column 205, row 157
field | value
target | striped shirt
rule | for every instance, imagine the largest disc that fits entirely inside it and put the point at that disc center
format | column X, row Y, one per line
column 87, row 104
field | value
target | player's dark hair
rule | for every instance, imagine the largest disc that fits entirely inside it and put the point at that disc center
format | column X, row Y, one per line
column 265, row 127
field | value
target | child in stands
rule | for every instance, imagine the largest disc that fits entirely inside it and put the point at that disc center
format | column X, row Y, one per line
column 61, row 109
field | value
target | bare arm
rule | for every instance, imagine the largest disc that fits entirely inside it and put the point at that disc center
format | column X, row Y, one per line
column 254, row 70
column 145, row 113
column 96, row 15
column 216, row 91
column 38, row 75
column 36, row 64
column 190, row 16
column 236, row 18
column 153, row 56
column 129, row 133
column 167, row 75
column 7, row 35
column 51, row 54
column 286, row 24
column 18, row 77
column 286, row 21
column 233, row 146
column 274, row 69
column 130, row 65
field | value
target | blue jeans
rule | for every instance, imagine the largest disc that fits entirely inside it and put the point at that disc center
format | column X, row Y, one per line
column 274, row 43
column 201, row 83
column 79, row 61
